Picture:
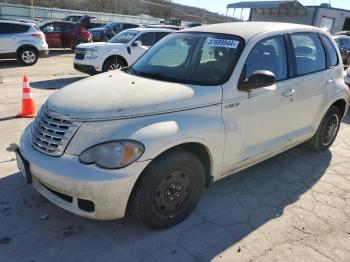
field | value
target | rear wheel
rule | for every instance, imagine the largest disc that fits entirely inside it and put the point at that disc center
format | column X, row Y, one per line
column 113, row 64
column 327, row 131
column 28, row 56
column 169, row 189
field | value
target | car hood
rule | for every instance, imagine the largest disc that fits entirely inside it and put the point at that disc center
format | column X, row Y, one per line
column 97, row 30
column 119, row 95
column 99, row 45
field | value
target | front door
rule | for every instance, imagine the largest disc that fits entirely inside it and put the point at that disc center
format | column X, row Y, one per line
column 257, row 122
column 53, row 33
column 147, row 39
column 69, row 32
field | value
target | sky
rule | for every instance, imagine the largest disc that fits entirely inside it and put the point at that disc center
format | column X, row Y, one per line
column 219, row 6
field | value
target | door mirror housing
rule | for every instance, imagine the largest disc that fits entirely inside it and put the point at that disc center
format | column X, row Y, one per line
column 259, row 79
column 136, row 43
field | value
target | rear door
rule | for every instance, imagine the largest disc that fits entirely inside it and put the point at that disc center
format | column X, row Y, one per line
column 310, row 82
column 9, row 35
column 69, row 32
column 53, row 34
column 148, row 39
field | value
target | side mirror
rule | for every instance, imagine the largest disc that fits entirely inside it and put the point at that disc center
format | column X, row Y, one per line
column 136, row 43
column 260, row 78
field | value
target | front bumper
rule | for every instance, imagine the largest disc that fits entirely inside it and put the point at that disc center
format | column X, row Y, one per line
column 88, row 69
column 44, row 53
column 85, row 190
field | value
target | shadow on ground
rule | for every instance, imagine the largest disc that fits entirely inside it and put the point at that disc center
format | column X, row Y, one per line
column 55, row 83
column 229, row 210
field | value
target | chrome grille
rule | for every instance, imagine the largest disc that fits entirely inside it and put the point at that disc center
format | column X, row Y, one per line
column 51, row 132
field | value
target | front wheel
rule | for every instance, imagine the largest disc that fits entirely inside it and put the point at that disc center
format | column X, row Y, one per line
column 169, row 189
column 28, row 56
column 113, row 64
column 327, row 131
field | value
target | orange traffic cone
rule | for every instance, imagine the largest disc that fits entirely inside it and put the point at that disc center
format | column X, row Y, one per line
column 28, row 107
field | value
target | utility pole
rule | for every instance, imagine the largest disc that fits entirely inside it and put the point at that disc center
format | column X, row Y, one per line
column 32, row 9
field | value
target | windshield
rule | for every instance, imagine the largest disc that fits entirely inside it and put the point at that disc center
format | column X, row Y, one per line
column 123, row 37
column 191, row 58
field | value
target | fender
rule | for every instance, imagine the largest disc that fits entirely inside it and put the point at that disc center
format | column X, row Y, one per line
column 24, row 42
column 159, row 133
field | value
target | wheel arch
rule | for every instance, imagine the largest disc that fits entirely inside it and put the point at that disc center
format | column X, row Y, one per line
column 341, row 104
column 24, row 46
column 115, row 57
column 198, row 149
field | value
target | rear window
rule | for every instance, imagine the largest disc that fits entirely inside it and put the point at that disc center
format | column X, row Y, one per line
column 309, row 53
column 332, row 53
column 8, row 28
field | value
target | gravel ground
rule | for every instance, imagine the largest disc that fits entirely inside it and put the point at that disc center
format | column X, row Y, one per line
column 293, row 207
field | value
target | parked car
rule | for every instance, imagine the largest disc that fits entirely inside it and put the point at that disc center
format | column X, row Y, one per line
column 75, row 18
column 65, row 34
column 105, row 33
column 163, row 26
column 201, row 104
column 23, row 41
column 343, row 42
column 343, row 33
column 192, row 24
column 122, row 50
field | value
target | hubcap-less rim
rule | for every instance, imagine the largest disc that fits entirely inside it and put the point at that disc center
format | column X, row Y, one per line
column 171, row 195
column 330, row 130
column 28, row 57
column 114, row 66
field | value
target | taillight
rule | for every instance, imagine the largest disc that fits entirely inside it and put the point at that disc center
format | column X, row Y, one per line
column 39, row 35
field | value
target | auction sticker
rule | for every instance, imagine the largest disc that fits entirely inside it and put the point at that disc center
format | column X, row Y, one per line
column 222, row 42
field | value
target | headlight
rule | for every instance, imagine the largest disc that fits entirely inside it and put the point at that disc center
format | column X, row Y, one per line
column 91, row 54
column 113, row 154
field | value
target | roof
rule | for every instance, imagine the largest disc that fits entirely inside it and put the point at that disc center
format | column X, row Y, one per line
column 247, row 30
column 17, row 22
column 150, row 29
column 265, row 4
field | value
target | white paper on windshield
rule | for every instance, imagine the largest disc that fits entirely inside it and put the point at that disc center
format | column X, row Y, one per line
column 222, row 42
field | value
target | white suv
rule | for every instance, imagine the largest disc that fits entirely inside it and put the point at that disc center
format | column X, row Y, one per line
column 201, row 104
column 22, row 40
column 122, row 50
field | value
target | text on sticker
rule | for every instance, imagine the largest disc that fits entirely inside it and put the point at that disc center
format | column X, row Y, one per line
column 222, row 42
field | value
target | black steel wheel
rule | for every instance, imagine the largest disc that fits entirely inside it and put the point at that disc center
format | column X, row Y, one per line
column 169, row 189
column 327, row 131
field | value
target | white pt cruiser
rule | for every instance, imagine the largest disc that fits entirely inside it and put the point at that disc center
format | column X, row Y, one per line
column 201, row 104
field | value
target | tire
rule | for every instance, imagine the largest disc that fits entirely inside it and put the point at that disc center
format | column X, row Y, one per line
column 169, row 189
column 28, row 56
column 111, row 64
column 327, row 131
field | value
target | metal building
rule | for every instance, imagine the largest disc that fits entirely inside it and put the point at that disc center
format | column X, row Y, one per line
column 324, row 16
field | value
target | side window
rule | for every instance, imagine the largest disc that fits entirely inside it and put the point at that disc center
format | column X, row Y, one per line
column 128, row 26
column 332, row 53
column 309, row 53
column 269, row 54
column 160, row 35
column 147, row 39
column 4, row 28
column 69, row 28
column 52, row 28
column 9, row 28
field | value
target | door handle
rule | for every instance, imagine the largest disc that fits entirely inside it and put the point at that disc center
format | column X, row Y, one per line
column 330, row 81
column 288, row 93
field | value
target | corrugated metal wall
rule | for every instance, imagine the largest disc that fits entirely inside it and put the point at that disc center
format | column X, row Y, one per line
column 11, row 11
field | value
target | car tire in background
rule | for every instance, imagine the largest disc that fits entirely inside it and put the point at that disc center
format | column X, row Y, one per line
column 28, row 55
column 169, row 189
column 113, row 64
column 327, row 131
